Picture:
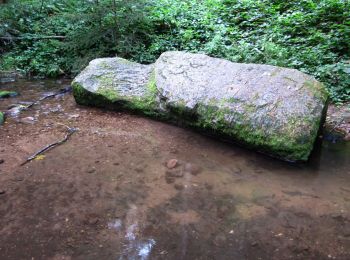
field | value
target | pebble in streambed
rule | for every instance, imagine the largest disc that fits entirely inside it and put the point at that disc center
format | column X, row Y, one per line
column 177, row 169
column 192, row 169
column 172, row 173
column 172, row 163
column 178, row 186
column 28, row 120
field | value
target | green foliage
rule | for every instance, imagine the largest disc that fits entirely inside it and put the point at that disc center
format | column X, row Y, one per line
column 85, row 30
column 310, row 35
column 25, row 22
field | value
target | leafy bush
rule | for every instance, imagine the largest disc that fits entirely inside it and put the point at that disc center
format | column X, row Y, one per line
column 310, row 35
column 49, row 38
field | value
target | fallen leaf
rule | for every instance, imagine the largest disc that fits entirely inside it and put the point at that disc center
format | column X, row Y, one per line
column 39, row 157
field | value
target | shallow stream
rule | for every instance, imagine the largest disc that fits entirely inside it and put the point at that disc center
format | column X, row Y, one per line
column 108, row 192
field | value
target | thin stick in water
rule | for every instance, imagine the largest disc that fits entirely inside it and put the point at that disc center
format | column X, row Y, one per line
column 50, row 146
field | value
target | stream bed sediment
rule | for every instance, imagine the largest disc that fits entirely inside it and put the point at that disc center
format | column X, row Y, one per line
column 126, row 187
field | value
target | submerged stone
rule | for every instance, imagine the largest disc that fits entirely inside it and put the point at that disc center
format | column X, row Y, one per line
column 2, row 118
column 273, row 110
column 9, row 76
column 7, row 94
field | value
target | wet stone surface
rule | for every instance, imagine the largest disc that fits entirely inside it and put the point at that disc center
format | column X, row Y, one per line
column 107, row 194
column 338, row 123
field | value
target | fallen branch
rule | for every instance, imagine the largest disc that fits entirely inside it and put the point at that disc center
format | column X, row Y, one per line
column 50, row 146
column 41, row 99
column 13, row 38
column 60, row 92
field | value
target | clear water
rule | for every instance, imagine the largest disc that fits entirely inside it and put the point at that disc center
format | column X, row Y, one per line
column 107, row 194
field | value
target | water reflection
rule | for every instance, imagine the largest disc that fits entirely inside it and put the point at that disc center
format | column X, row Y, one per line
column 135, row 247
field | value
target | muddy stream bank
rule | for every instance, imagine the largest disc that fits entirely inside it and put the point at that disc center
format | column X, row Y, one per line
column 126, row 187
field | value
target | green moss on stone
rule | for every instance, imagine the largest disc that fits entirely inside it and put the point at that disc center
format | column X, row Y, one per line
column 287, row 145
column 2, row 118
column 106, row 80
column 125, row 61
column 81, row 95
column 317, row 89
column 108, row 93
column 87, row 98
column 229, row 100
column 108, row 97
column 146, row 103
column 152, row 86
column 250, row 108
column 7, row 94
column 179, row 111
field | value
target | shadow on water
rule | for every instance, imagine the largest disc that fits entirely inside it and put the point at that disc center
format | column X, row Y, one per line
column 126, row 187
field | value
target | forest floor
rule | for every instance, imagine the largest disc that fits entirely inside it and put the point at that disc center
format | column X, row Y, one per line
column 111, row 191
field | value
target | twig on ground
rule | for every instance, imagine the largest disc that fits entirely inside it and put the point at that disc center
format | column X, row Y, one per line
column 50, row 146
column 14, row 38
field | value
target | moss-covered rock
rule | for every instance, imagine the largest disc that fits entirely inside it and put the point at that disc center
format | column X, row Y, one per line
column 7, row 94
column 273, row 110
column 2, row 118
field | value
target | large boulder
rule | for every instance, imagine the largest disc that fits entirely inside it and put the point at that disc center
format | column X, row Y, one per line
column 273, row 110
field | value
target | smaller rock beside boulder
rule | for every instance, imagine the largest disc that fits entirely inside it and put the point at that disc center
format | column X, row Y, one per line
column 2, row 118
column 8, row 94
column 9, row 76
column 337, row 126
